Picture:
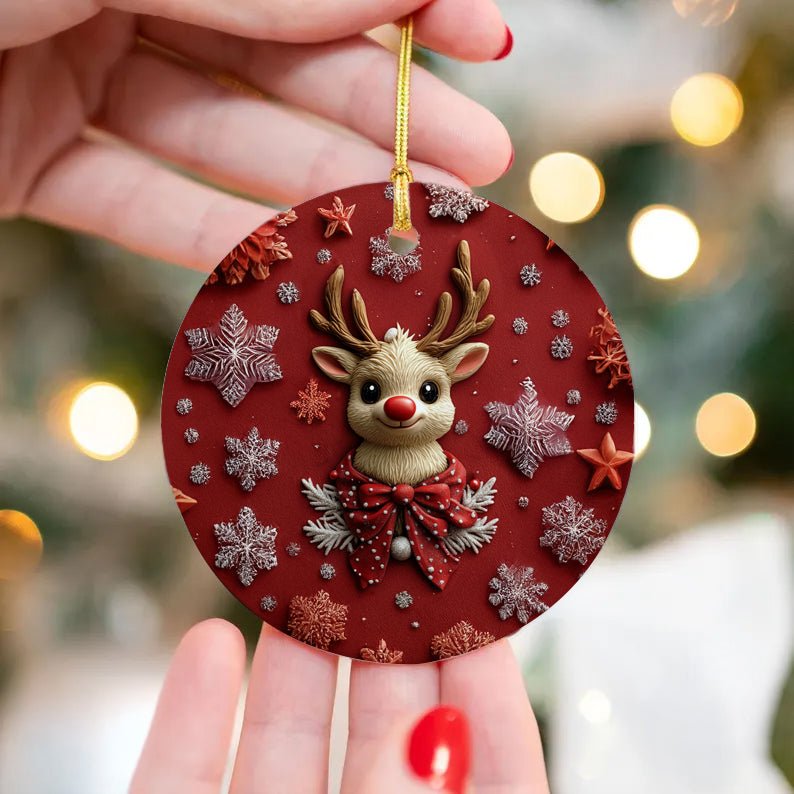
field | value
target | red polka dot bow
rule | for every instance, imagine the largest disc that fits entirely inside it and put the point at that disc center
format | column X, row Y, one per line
column 381, row 514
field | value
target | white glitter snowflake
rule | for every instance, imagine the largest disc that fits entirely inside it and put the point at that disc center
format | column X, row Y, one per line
column 572, row 532
column 461, row 427
column 560, row 318
column 516, row 592
column 199, row 474
column 388, row 192
column 523, row 502
column 293, row 549
column 606, row 413
column 251, row 458
column 327, row 571
column 268, row 603
column 561, row 347
column 233, row 355
column 288, row 292
column 191, row 435
column 573, row 397
column 530, row 275
column 184, row 405
column 520, row 326
column 245, row 546
column 323, row 256
column 386, row 262
column 454, row 203
column 403, row 599
column 530, row 432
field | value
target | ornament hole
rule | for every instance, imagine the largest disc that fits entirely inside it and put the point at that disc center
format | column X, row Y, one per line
column 403, row 242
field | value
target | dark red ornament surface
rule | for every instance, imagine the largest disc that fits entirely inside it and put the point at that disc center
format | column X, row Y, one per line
column 501, row 243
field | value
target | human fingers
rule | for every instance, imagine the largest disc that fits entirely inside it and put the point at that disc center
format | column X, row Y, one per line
column 287, row 723
column 188, row 742
column 487, row 685
column 380, row 697
column 351, row 83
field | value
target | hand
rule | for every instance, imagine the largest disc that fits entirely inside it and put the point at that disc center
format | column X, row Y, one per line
column 284, row 743
column 83, row 102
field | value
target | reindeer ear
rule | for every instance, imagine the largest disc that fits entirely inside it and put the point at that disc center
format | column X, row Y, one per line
column 464, row 360
column 335, row 362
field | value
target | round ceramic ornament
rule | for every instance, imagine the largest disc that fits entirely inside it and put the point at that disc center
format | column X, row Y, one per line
column 398, row 456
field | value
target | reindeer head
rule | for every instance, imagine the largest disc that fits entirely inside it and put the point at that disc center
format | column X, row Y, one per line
column 400, row 387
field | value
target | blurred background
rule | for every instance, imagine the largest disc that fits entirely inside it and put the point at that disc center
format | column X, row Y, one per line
column 655, row 143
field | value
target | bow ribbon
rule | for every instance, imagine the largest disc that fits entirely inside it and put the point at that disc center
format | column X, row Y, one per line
column 376, row 512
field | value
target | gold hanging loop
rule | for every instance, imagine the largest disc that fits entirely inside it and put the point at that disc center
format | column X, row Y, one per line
column 401, row 175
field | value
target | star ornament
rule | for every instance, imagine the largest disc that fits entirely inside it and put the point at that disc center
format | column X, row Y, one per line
column 337, row 218
column 606, row 460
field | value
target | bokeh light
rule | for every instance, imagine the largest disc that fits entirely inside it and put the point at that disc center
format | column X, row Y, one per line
column 103, row 421
column 642, row 430
column 566, row 187
column 706, row 12
column 725, row 424
column 595, row 707
column 20, row 545
column 706, row 109
column 664, row 242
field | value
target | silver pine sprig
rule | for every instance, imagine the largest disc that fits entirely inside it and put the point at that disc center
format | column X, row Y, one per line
column 329, row 532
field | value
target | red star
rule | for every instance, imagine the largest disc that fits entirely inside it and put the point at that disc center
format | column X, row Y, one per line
column 550, row 244
column 606, row 461
column 338, row 217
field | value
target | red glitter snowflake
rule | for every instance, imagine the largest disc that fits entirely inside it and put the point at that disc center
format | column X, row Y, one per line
column 461, row 638
column 608, row 351
column 312, row 403
column 256, row 253
column 382, row 654
column 316, row 620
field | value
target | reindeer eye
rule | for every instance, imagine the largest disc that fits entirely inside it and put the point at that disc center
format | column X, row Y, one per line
column 428, row 392
column 370, row 392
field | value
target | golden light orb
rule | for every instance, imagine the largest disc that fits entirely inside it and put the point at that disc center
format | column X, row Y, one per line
column 642, row 430
column 664, row 242
column 21, row 545
column 707, row 109
column 725, row 425
column 566, row 187
column 707, row 12
column 103, row 421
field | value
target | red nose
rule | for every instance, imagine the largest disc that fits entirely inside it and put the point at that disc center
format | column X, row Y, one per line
column 399, row 409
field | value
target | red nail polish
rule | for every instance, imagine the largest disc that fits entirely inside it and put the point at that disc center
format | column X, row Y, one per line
column 439, row 749
column 508, row 47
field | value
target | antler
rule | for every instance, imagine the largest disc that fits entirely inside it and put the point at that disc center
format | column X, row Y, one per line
column 473, row 300
column 336, row 325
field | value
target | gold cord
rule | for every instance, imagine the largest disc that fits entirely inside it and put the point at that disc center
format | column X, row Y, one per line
column 401, row 174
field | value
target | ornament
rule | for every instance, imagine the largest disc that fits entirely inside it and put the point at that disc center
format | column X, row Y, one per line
column 337, row 218
column 606, row 461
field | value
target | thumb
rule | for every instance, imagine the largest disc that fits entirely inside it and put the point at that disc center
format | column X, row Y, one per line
column 432, row 753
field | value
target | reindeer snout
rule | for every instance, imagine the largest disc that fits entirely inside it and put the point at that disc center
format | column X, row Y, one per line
column 399, row 409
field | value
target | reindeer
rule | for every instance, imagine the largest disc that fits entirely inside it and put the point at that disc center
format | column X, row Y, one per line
column 399, row 493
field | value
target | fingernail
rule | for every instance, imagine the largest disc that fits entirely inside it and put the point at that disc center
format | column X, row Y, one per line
column 510, row 161
column 508, row 47
column 439, row 751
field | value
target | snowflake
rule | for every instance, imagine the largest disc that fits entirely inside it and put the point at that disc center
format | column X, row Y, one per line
column 233, row 355
column 520, row 326
column 327, row 571
column 199, row 474
column 530, row 432
column 606, row 413
column 523, row 502
column 461, row 427
column 573, row 397
column 530, row 275
column 454, row 203
column 323, row 256
column 288, row 292
column 316, row 620
column 312, row 403
column 252, row 458
column 572, row 532
column 386, row 262
column 388, row 192
column 403, row 599
column 381, row 654
column 184, row 405
column 293, row 549
column 561, row 347
column 246, row 546
column 560, row 318
column 191, row 435
column 268, row 603
column 516, row 592
column 608, row 351
column 459, row 639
